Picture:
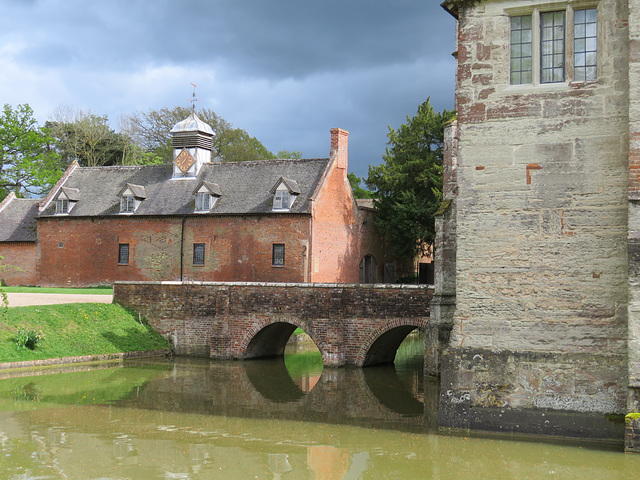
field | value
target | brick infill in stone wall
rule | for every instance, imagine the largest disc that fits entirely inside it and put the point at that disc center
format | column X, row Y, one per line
column 83, row 359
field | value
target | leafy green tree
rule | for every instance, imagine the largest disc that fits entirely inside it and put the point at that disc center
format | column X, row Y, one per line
column 291, row 154
column 407, row 187
column 28, row 162
column 89, row 139
column 356, row 186
column 150, row 130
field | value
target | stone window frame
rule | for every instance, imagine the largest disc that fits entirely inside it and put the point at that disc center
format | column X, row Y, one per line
column 278, row 255
column 199, row 251
column 569, row 40
column 124, row 253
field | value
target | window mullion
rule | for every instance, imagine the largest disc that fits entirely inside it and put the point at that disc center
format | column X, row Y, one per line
column 569, row 44
column 535, row 40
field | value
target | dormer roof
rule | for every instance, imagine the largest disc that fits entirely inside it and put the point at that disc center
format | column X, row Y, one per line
column 214, row 188
column 73, row 194
column 192, row 124
column 291, row 185
column 138, row 191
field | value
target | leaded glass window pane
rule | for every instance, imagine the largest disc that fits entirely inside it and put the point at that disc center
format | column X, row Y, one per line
column 552, row 58
column 585, row 44
column 521, row 49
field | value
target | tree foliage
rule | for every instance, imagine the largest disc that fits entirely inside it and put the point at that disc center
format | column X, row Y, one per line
column 150, row 130
column 356, row 186
column 407, row 187
column 28, row 163
column 89, row 139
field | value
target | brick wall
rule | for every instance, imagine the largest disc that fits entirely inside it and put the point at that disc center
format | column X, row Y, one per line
column 342, row 233
column 22, row 255
column 84, row 251
column 221, row 320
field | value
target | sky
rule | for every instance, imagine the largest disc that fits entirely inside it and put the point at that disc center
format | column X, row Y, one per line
column 285, row 71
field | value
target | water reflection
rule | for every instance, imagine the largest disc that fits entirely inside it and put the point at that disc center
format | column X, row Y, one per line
column 196, row 419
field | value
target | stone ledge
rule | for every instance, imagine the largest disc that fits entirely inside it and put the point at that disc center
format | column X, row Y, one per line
column 83, row 359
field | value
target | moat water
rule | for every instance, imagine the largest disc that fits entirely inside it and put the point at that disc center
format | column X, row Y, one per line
column 262, row 419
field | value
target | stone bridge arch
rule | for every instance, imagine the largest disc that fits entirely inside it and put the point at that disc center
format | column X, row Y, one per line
column 381, row 345
column 268, row 338
column 351, row 324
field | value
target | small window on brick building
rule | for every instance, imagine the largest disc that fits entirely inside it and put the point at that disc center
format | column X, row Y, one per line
column 198, row 253
column 123, row 254
column 277, row 259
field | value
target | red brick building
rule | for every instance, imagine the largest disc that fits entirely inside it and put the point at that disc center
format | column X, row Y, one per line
column 270, row 220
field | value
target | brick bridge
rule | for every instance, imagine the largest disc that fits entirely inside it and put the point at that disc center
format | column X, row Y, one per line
column 351, row 324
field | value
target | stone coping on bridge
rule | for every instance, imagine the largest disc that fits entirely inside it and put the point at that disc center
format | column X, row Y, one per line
column 405, row 286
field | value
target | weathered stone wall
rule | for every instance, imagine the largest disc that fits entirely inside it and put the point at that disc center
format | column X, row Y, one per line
column 541, row 223
column 225, row 320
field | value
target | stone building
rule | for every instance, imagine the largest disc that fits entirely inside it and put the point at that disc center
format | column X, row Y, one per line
column 539, row 234
column 199, row 220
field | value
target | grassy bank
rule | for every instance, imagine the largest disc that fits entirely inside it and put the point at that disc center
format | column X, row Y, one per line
column 74, row 291
column 74, row 330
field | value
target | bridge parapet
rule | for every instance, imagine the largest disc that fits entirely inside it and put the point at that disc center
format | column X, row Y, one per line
column 352, row 324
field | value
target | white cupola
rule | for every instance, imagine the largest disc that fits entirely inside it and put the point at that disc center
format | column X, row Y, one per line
column 192, row 145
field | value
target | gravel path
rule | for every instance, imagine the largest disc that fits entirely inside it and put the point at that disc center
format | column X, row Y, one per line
column 23, row 299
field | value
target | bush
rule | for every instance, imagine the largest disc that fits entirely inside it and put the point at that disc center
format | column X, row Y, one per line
column 28, row 339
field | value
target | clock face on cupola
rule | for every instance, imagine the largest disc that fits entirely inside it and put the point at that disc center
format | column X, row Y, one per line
column 184, row 161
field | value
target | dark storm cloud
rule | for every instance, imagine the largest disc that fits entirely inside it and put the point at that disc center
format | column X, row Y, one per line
column 263, row 38
column 285, row 71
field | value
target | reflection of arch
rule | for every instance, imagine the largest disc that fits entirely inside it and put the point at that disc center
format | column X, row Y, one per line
column 268, row 338
column 383, row 343
column 368, row 269
column 385, row 385
column 272, row 380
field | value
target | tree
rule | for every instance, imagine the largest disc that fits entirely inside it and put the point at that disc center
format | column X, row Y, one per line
column 407, row 187
column 150, row 130
column 28, row 162
column 291, row 154
column 356, row 186
column 88, row 138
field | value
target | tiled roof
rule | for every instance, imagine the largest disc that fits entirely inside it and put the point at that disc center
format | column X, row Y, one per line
column 244, row 187
column 18, row 221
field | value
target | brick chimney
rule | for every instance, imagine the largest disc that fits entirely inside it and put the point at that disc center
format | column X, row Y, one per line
column 340, row 147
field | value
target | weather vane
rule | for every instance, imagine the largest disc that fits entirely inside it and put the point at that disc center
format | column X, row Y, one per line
column 194, row 100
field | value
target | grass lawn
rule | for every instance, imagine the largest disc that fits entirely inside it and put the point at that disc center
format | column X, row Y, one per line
column 74, row 291
column 76, row 329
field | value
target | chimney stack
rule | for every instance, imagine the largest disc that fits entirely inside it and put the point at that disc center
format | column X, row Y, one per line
column 340, row 147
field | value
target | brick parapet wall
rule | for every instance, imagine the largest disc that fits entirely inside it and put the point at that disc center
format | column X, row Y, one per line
column 221, row 319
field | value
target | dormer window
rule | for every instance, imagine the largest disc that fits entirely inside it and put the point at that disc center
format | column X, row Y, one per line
column 285, row 192
column 131, row 196
column 67, row 198
column 281, row 200
column 62, row 206
column 127, row 204
column 207, row 195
